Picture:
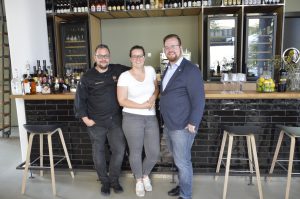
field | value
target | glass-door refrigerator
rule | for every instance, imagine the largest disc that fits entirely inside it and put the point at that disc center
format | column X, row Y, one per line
column 221, row 46
column 260, row 42
column 75, row 47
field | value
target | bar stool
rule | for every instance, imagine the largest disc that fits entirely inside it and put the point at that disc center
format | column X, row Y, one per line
column 239, row 131
column 293, row 133
column 42, row 130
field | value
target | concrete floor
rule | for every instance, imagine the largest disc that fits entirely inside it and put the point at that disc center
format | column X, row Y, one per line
column 85, row 186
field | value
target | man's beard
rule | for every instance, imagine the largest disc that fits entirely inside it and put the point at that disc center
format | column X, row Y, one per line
column 102, row 67
column 172, row 58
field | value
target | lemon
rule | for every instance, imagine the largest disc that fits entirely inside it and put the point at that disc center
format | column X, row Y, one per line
column 261, row 79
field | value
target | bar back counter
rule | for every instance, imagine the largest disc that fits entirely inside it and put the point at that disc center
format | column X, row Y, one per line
column 262, row 109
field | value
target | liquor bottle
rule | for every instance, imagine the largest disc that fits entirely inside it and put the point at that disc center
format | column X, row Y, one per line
column 109, row 5
column 132, row 5
column 26, row 80
column 147, row 4
column 93, row 6
column 166, row 4
column 98, row 6
column 118, row 6
column 75, row 7
column 38, row 84
column 39, row 69
column 103, row 6
column 141, row 5
column 282, row 79
column 45, row 71
column 122, row 4
column 16, row 84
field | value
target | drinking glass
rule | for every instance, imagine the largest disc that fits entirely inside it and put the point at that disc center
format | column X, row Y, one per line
column 233, row 82
column 241, row 80
column 224, row 80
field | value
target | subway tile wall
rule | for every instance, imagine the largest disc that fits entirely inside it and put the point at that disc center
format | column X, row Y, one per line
column 205, row 151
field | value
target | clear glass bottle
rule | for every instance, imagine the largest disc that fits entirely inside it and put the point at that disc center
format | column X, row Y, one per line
column 16, row 84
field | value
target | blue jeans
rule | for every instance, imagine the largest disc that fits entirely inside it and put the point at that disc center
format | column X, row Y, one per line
column 116, row 141
column 180, row 143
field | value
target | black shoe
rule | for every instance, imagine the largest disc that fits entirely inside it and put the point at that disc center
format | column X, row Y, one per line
column 105, row 189
column 174, row 192
column 180, row 198
column 117, row 188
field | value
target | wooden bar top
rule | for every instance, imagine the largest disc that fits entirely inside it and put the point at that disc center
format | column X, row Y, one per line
column 209, row 94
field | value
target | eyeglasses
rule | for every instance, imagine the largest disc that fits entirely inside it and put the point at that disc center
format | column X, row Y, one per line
column 137, row 56
column 173, row 47
column 102, row 56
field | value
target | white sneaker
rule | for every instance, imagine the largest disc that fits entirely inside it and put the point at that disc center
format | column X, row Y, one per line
column 139, row 189
column 147, row 184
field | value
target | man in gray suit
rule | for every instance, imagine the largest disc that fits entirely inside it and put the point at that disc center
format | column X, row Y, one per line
column 182, row 103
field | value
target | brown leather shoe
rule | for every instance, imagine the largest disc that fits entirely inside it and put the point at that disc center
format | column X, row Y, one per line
column 174, row 192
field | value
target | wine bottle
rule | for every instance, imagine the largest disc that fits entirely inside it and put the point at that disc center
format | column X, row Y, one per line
column 282, row 79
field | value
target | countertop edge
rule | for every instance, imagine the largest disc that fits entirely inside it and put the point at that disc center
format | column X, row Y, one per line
column 209, row 94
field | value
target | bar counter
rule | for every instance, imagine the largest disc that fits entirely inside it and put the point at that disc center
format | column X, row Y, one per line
column 209, row 94
column 263, row 109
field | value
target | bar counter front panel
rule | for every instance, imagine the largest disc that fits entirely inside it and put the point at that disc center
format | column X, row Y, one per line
column 266, row 110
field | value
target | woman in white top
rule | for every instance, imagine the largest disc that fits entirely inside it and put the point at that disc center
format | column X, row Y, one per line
column 137, row 92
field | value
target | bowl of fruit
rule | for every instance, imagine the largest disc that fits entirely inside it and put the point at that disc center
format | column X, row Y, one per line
column 265, row 85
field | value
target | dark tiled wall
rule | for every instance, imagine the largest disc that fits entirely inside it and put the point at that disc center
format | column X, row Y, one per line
column 205, row 151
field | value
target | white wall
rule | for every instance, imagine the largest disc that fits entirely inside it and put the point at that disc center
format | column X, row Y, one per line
column 28, row 42
column 27, row 31
column 292, row 6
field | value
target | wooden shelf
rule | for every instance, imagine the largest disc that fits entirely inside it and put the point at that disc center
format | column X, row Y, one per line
column 148, row 13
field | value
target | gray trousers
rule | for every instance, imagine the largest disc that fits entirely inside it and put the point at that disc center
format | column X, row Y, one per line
column 141, row 131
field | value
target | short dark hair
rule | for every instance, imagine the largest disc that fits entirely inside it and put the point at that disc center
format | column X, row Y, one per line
column 172, row 36
column 100, row 46
column 136, row 47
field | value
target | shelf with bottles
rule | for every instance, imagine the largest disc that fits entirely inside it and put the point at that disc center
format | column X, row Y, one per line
column 110, row 9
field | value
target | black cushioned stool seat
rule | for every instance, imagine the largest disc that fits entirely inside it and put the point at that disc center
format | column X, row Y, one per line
column 239, row 131
column 47, row 130
column 293, row 133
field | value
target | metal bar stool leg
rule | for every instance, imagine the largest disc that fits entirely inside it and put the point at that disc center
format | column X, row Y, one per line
column 41, row 154
column 51, row 163
column 27, row 162
column 276, row 153
column 66, row 151
column 256, row 167
column 221, row 154
column 290, row 167
column 227, row 165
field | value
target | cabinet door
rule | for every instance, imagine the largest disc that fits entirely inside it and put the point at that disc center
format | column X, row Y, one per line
column 75, row 49
column 260, row 44
column 221, row 46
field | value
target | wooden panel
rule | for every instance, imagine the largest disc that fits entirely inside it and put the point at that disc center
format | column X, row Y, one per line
column 173, row 12
column 102, row 15
column 191, row 11
column 121, row 14
column 155, row 13
column 95, row 34
column 57, row 37
column 137, row 13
